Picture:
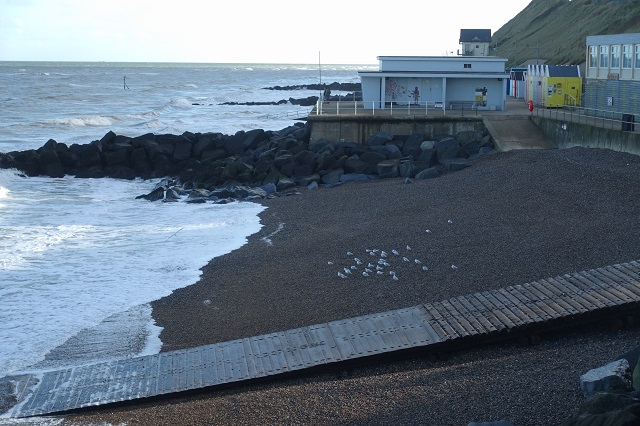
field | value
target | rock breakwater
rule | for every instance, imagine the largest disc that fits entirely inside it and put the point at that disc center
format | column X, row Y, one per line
column 257, row 163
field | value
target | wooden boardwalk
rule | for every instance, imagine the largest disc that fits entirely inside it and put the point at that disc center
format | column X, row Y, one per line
column 472, row 319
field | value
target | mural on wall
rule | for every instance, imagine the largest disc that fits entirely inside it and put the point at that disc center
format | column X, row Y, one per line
column 394, row 91
column 481, row 96
column 415, row 91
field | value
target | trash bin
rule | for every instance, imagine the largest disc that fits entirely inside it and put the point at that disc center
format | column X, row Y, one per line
column 628, row 122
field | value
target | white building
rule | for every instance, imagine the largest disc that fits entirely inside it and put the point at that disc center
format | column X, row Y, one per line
column 451, row 82
column 475, row 42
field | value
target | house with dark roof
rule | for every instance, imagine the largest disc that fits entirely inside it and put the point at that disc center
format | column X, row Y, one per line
column 475, row 42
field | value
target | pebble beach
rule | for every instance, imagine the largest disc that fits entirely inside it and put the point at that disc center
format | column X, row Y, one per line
column 511, row 218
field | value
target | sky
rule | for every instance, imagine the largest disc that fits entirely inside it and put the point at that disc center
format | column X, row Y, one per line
column 241, row 31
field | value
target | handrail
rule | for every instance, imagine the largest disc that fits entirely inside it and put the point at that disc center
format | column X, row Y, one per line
column 592, row 116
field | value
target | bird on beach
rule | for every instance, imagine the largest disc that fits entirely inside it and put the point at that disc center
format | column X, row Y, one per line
column 408, row 248
column 453, row 266
column 417, row 261
column 406, row 259
column 396, row 252
column 342, row 275
column 424, row 268
column 383, row 253
column 347, row 270
column 364, row 274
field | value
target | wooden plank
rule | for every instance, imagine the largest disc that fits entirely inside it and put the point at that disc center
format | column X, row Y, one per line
column 505, row 302
column 321, row 332
column 488, row 310
column 547, row 289
column 578, row 294
column 508, row 318
column 471, row 316
column 595, row 288
column 607, row 279
column 443, row 321
column 455, row 327
column 417, row 328
column 570, row 296
column 586, row 292
column 501, row 320
column 428, row 313
column 540, row 315
column 625, row 276
column 474, row 310
column 464, row 318
column 538, row 301
column 601, row 287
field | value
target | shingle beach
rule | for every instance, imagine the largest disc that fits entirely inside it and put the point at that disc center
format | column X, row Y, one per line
column 511, row 218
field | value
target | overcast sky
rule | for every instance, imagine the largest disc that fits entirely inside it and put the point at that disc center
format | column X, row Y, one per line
column 243, row 31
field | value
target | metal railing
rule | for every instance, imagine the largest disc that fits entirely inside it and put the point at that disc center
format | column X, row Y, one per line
column 349, row 105
column 590, row 116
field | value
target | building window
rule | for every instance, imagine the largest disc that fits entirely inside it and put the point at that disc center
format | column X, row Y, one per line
column 593, row 56
column 467, row 65
column 604, row 56
column 637, row 64
column 626, row 56
column 615, row 57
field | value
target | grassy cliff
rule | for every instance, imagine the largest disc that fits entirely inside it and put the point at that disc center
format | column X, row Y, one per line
column 555, row 31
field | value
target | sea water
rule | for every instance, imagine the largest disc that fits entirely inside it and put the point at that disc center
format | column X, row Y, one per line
column 80, row 259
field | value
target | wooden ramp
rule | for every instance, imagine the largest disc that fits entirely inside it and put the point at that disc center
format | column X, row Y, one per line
column 472, row 319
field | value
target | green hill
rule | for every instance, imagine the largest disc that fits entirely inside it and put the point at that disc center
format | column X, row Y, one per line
column 555, row 31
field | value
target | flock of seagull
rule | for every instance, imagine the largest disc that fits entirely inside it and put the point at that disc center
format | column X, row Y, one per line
column 378, row 262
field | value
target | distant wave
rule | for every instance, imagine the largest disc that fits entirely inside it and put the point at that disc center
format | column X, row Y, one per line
column 95, row 121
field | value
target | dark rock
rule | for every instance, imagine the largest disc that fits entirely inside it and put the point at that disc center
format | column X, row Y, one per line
column 388, row 169
column 50, row 164
column 357, row 166
column 380, row 138
column 372, row 158
column 431, row 172
column 333, row 176
column 412, row 145
column 155, row 195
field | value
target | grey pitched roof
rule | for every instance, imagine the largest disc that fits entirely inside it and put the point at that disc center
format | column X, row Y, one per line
column 563, row 71
column 475, row 36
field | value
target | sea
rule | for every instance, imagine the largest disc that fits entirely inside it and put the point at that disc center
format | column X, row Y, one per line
column 81, row 259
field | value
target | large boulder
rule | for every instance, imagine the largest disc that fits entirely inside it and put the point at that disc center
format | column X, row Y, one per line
column 612, row 377
column 380, row 138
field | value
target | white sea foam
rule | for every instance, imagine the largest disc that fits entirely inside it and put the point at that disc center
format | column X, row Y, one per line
column 79, row 255
column 74, row 252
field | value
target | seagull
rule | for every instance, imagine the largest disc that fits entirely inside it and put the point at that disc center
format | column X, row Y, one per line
column 383, row 253
column 367, row 270
column 449, row 221
column 428, row 231
column 453, row 266
column 354, row 267
column 424, row 268
column 349, row 253
column 396, row 252
column 408, row 248
column 347, row 270
column 405, row 259
column 395, row 278
column 342, row 275
column 329, row 262
column 358, row 261
column 380, row 273
column 392, row 273
column 370, row 265
column 417, row 261
column 364, row 274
